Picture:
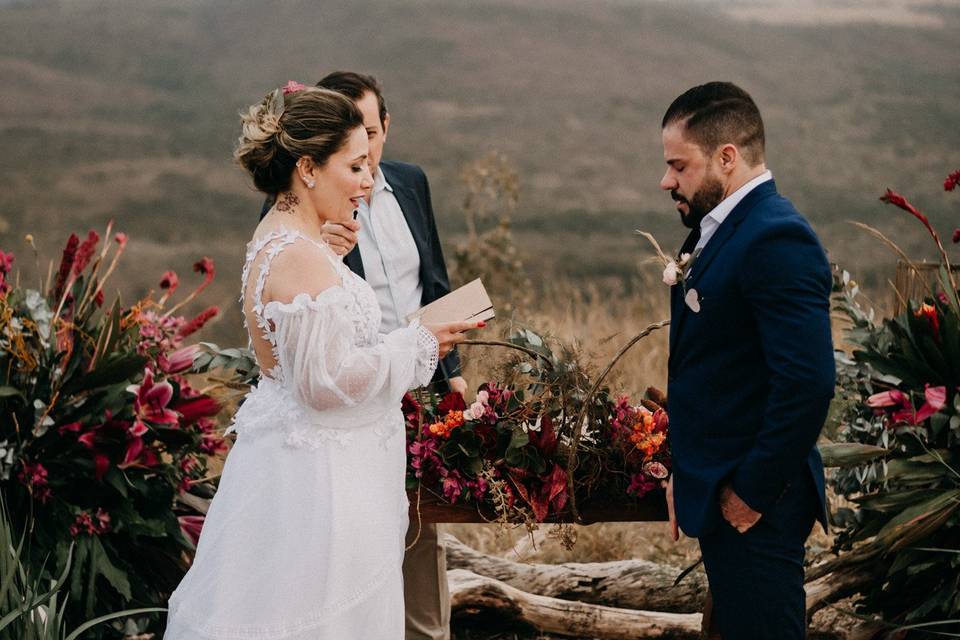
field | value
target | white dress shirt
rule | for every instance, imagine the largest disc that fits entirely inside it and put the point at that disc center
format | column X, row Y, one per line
column 712, row 221
column 391, row 262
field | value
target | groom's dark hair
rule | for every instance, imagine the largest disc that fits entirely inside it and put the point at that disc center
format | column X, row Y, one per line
column 354, row 85
column 718, row 113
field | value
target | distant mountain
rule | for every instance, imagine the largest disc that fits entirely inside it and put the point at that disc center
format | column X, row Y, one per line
column 128, row 110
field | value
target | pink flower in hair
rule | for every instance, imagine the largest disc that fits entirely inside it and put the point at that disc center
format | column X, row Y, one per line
column 292, row 87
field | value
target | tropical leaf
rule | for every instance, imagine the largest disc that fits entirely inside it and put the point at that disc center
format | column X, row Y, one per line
column 848, row 454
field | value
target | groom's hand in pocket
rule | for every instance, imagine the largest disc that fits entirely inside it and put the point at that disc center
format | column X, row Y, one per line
column 674, row 528
column 342, row 237
column 735, row 511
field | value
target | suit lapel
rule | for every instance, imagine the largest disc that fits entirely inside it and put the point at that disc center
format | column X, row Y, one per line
column 678, row 306
column 726, row 230
column 354, row 261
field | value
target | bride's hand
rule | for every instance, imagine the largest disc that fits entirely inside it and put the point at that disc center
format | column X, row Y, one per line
column 450, row 334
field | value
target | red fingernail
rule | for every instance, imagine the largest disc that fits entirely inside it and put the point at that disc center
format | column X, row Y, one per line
column 481, row 324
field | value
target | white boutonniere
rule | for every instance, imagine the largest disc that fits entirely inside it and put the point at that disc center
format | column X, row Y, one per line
column 675, row 271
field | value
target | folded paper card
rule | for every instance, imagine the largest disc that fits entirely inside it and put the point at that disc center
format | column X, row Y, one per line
column 468, row 303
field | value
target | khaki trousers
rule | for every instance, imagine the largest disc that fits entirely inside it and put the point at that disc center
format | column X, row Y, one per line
column 425, row 590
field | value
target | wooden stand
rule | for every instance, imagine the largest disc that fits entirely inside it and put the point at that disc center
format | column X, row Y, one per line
column 652, row 508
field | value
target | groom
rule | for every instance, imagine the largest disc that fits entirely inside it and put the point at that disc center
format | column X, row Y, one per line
column 751, row 370
column 395, row 247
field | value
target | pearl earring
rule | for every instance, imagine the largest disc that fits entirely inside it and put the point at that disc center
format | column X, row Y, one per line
column 310, row 184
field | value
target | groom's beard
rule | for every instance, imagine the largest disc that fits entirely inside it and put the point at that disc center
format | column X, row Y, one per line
column 705, row 200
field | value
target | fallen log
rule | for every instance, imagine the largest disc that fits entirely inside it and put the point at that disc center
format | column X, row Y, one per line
column 629, row 584
column 471, row 594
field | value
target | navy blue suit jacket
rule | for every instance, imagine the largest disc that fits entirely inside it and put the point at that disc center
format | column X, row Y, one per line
column 412, row 191
column 752, row 374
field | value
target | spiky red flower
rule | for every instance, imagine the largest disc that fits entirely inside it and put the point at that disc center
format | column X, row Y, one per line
column 894, row 198
column 66, row 264
column 6, row 262
column 952, row 181
column 197, row 323
column 85, row 252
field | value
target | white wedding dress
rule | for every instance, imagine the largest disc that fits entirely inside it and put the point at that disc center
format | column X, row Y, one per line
column 305, row 537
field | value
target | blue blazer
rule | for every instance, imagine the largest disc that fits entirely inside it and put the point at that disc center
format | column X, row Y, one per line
column 412, row 191
column 751, row 375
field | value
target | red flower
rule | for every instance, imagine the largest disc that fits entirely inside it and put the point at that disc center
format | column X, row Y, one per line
column 101, row 464
column 196, row 408
column 6, row 262
column 98, row 299
column 935, row 400
column 34, row 477
column 894, row 198
column 66, row 264
column 191, row 526
column 205, row 266
column 85, row 252
column 452, row 401
column 151, row 402
column 121, row 239
column 956, row 235
column 952, row 181
column 92, row 525
column 929, row 313
column 169, row 281
column 72, row 427
column 641, row 485
column 551, row 492
column 197, row 323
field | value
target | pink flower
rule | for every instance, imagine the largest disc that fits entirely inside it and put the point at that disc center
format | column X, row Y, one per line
column 191, row 526
column 935, row 400
column 121, row 239
column 475, row 412
column 483, row 397
column 152, row 400
column 91, row 525
column 72, row 427
column 293, row 86
column 452, row 485
column 179, row 360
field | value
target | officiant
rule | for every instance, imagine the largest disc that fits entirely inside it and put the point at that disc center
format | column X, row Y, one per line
column 394, row 245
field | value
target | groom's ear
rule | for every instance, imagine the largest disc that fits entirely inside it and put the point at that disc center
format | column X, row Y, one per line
column 729, row 157
column 386, row 125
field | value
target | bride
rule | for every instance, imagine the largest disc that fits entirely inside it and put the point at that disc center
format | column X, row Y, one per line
column 305, row 537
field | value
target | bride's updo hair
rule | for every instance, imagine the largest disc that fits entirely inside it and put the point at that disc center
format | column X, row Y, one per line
column 283, row 128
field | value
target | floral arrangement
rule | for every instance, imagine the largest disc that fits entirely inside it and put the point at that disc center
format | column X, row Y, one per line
column 898, row 447
column 100, row 428
column 526, row 450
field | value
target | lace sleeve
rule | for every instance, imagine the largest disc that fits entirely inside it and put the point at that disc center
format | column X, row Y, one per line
column 326, row 370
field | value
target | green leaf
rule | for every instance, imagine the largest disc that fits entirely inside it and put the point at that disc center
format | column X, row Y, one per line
column 112, row 371
column 519, row 438
column 848, row 454
column 894, row 501
column 112, row 616
column 919, row 521
column 101, row 564
column 914, row 471
column 6, row 392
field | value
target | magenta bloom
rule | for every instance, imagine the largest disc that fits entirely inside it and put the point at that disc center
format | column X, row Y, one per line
column 935, row 400
column 191, row 527
column 151, row 403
